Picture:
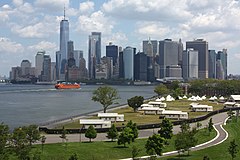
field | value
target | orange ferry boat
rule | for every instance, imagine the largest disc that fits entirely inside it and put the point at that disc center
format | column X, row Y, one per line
column 67, row 85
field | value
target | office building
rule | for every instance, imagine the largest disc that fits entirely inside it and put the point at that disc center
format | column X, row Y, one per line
column 174, row 71
column 222, row 56
column 77, row 55
column 219, row 70
column 46, row 72
column 128, row 62
column 202, row 47
column 39, row 63
column 25, row 66
column 140, row 67
column 190, row 64
column 112, row 51
column 71, row 61
column 212, row 58
column 168, row 55
column 94, row 53
column 64, row 38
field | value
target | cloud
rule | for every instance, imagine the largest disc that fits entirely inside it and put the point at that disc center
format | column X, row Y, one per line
column 158, row 10
column 43, row 45
column 117, row 38
column 10, row 47
column 86, row 7
column 17, row 2
column 97, row 21
column 52, row 4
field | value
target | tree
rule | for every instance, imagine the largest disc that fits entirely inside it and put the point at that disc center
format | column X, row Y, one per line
column 166, row 129
column 63, row 136
column 73, row 157
column 135, row 102
column 33, row 133
column 155, row 144
column 161, row 90
column 20, row 143
column 42, row 139
column 210, row 125
column 133, row 126
column 106, row 96
column 125, row 136
column 4, row 138
column 233, row 149
column 91, row 133
column 186, row 138
column 112, row 133
column 135, row 152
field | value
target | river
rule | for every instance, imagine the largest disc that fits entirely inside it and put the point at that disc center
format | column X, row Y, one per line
column 35, row 104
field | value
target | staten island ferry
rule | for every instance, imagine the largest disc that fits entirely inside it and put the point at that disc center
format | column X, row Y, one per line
column 67, row 85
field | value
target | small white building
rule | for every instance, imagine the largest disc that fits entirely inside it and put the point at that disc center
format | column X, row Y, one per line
column 201, row 108
column 113, row 117
column 229, row 104
column 152, row 110
column 234, row 98
column 96, row 123
column 174, row 114
column 158, row 104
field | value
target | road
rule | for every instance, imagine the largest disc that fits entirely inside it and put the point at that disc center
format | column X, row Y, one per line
column 217, row 120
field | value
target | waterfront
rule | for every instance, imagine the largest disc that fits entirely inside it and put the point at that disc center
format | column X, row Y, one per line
column 34, row 104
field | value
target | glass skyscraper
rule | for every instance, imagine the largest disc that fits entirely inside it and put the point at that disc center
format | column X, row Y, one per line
column 64, row 38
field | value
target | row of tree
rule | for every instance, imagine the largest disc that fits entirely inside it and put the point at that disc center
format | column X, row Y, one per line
column 19, row 142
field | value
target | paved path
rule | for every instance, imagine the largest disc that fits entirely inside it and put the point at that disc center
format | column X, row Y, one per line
column 54, row 138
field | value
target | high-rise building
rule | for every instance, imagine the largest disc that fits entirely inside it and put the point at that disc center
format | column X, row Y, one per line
column 83, row 69
column 180, row 52
column 219, row 70
column 212, row 58
column 71, row 61
column 58, row 64
column 77, row 55
column 168, row 55
column 26, row 66
column 94, row 53
column 140, row 66
column 46, row 72
column 190, row 64
column 202, row 47
column 53, row 71
column 39, row 63
column 222, row 56
column 112, row 51
column 121, row 65
column 64, row 38
column 174, row 71
column 150, row 47
column 128, row 62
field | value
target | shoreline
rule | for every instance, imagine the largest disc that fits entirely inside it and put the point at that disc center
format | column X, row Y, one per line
column 54, row 123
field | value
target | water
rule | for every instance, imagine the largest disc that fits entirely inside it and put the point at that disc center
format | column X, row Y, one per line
column 34, row 104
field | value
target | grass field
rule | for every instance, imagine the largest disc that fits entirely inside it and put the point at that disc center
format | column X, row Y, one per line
column 104, row 150
column 219, row 152
column 140, row 118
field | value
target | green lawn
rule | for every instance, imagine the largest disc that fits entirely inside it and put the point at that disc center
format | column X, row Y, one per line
column 219, row 152
column 103, row 150
column 140, row 118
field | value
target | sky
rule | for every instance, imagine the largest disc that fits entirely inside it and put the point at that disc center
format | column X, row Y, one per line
column 29, row 26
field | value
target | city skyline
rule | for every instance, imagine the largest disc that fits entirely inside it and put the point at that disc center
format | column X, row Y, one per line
column 29, row 26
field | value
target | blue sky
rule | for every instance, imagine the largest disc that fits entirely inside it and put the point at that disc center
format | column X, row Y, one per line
column 27, row 26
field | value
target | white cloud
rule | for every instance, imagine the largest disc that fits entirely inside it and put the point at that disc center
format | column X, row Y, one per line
column 17, row 2
column 26, row 8
column 6, row 7
column 43, row 45
column 52, row 4
column 86, row 7
column 97, row 21
column 117, row 38
column 10, row 47
column 161, row 10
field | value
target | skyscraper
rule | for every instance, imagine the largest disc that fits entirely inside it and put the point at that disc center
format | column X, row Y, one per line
column 94, row 53
column 190, row 64
column 140, row 66
column 77, row 55
column 168, row 55
column 212, row 58
column 39, row 63
column 128, row 62
column 202, row 47
column 112, row 51
column 64, row 38
column 46, row 72
column 222, row 56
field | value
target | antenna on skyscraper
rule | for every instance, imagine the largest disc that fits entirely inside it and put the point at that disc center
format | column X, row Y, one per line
column 64, row 13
